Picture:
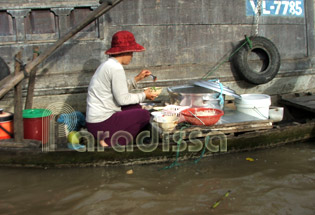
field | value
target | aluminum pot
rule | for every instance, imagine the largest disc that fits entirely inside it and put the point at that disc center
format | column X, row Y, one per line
column 194, row 96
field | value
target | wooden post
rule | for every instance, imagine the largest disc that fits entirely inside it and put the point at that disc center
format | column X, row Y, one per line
column 103, row 8
column 18, row 116
column 31, row 82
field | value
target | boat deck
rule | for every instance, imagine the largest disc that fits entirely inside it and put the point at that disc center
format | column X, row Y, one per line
column 303, row 102
column 231, row 122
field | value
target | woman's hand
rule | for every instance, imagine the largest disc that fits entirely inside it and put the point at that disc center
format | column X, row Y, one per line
column 143, row 74
column 149, row 94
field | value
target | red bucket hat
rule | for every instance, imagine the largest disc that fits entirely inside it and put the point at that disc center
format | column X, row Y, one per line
column 122, row 42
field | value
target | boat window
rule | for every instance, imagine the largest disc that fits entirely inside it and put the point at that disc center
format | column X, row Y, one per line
column 78, row 14
column 6, row 24
column 40, row 22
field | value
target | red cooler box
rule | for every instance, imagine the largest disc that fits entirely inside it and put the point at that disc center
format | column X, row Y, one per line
column 36, row 124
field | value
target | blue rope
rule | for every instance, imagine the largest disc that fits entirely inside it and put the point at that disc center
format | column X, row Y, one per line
column 203, row 151
column 175, row 163
column 221, row 91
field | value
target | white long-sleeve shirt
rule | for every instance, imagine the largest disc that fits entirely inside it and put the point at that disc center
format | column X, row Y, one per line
column 108, row 91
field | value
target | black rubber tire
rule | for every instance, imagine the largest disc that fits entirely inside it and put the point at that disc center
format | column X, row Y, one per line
column 268, row 50
column 4, row 69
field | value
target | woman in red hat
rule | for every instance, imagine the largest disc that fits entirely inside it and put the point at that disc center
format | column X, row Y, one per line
column 113, row 113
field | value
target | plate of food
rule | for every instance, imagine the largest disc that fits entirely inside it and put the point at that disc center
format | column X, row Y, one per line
column 155, row 90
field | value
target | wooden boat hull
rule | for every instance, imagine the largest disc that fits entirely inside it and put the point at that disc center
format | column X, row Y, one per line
column 34, row 157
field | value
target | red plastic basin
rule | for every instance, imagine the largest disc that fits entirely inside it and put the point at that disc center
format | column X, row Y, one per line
column 207, row 120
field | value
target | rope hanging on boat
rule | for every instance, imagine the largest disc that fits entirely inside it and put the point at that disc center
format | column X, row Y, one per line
column 207, row 139
column 247, row 40
column 221, row 91
column 175, row 163
column 22, row 66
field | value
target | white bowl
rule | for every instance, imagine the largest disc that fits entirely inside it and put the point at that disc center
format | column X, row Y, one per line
column 165, row 119
column 168, row 126
column 156, row 113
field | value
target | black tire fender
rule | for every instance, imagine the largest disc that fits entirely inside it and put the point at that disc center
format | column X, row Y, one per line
column 267, row 52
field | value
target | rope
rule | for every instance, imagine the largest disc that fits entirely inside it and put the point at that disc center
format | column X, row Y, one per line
column 175, row 163
column 203, row 151
column 221, row 91
column 22, row 66
column 37, row 52
column 247, row 40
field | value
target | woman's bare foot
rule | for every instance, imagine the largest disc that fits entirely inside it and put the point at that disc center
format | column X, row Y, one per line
column 103, row 143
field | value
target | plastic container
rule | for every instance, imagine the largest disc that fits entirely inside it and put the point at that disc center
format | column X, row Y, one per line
column 276, row 113
column 36, row 124
column 256, row 105
column 207, row 120
column 173, row 110
column 6, row 125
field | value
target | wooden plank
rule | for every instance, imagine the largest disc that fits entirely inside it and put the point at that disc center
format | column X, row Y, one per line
column 103, row 8
column 228, row 128
column 31, row 82
column 11, row 143
column 233, row 127
column 6, row 79
column 257, row 127
column 303, row 102
column 18, row 118
column 255, row 123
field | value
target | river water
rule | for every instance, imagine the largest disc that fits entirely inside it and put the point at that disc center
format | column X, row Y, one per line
column 279, row 181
